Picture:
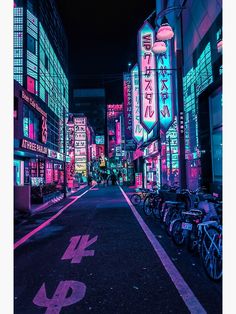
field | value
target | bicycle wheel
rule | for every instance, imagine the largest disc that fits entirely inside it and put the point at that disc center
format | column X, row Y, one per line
column 147, row 205
column 192, row 240
column 177, row 233
column 135, row 199
column 168, row 219
column 211, row 253
column 156, row 209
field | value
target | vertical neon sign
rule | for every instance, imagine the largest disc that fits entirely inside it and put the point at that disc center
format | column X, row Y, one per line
column 137, row 129
column 148, row 86
column 165, row 89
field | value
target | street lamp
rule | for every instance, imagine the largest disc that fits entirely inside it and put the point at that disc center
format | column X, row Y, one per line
column 129, row 65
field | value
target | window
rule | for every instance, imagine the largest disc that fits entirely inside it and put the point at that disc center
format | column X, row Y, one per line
column 31, row 124
column 30, row 84
column 30, row 43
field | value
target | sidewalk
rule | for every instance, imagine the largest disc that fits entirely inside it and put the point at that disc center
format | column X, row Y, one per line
column 35, row 208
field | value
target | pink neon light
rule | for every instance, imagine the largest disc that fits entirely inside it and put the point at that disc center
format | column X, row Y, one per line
column 118, row 133
column 30, row 85
column 137, row 130
column 31, row 130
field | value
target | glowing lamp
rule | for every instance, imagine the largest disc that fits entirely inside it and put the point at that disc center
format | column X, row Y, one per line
column 220, row 46
column 159, row 47
column 165, row 32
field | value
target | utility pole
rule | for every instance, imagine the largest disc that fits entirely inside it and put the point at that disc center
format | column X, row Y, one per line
column 64, row 150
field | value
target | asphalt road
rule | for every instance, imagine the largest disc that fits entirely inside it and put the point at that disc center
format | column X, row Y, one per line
column 95, row 254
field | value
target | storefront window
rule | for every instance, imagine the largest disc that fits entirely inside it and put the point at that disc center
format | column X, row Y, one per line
column 18, row 172
column 49, row 172
column 31, row 124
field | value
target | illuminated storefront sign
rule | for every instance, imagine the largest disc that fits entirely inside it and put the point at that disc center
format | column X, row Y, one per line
column 137, row 129
column 71, row 150
column 34, row 146
column 99, row 139
column 33, row 103
column 118, row 133
column 165, row 89
column 148, row 87
column 139, row 180
column 55, row 155
column 94, row 150
column 80, row 125
column 172, row 152
column 127, row 92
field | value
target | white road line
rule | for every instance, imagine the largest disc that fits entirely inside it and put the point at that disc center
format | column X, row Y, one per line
column 47, row 222
column 183, row 288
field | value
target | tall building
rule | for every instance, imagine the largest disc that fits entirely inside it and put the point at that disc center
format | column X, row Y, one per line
column 182, row 118
column 40, row 93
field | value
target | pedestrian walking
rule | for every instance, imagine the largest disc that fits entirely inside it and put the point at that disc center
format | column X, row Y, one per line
column 113, row 178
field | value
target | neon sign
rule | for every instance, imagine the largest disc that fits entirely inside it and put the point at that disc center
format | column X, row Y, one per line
column 137, row 130
column 165, row 89
column 34, row 146
column 33, row 103
column 147, row 64
column 99, row 139
column 127, row 105
column 80, row 124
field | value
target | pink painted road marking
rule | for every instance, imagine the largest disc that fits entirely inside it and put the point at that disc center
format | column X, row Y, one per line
column 76, row 249
column 183, row 288
column 47, row 222
column 60, row 298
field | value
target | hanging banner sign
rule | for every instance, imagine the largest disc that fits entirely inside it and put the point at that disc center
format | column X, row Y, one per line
column 137, row 129
column 118, row 133
column 147, row 74
column 127, row 105
column 165, row 89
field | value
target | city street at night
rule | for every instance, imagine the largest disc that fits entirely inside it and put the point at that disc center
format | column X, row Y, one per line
column 126, row 263
column 114, row 190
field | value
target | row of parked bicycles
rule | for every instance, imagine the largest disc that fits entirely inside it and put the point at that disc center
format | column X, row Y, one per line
column 191, row 218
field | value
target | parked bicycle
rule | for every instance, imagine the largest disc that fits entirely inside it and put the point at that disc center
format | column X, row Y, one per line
column 138, row 196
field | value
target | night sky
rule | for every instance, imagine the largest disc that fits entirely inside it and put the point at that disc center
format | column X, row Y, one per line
column 102, row 38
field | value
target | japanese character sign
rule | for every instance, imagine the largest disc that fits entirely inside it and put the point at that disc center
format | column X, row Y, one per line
column 147, row 74
column 137, row 130
column 127, row 105
column 165, row 91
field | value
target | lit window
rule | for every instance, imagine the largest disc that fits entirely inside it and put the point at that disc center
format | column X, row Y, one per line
column 30, row 84
column 30, row 43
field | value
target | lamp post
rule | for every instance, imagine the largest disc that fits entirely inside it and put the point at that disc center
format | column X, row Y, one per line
column 64, row 149
column 164, row 33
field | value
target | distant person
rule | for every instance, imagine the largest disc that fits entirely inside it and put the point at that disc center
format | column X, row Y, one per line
column 104, row 177
column 113, row 179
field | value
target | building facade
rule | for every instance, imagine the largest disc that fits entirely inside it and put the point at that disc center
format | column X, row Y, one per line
column 40, row 94
column 182, row 143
